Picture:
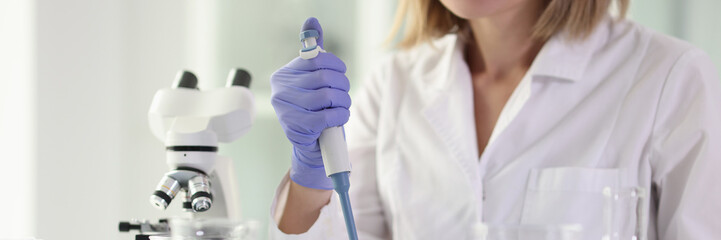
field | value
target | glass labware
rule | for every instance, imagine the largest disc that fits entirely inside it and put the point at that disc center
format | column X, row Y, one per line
column 528, row 232
column 213, row 229
column 624, row 215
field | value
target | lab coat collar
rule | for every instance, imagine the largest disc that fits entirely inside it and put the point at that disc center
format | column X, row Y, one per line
column 561, row 57
column 565, row 58
column 449, row 109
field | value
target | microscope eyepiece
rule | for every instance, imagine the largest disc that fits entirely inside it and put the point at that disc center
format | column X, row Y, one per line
column 186, row 79
column 238, row 77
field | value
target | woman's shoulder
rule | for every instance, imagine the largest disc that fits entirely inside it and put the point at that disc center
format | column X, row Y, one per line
column 423, row 57
column 428, row 52
column 660, row 51
column 667, row 67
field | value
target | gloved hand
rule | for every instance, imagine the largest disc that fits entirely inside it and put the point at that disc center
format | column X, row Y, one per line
column 309, row 96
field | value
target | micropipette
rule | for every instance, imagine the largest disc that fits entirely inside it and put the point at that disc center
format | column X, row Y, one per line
column 333, row 148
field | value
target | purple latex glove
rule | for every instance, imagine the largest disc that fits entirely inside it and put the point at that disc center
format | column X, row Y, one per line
column 309, row 96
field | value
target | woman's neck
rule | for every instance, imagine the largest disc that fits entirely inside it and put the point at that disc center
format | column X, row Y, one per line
column 502, row 44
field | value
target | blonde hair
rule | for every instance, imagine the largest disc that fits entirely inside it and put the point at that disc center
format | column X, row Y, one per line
column 424, row 20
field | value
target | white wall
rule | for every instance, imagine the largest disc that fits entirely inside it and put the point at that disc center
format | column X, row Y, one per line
column 695, row 21
column 375, row 18
column 154, row 48
column 79, row 87
column 703, row 27
column 78, row 76
column 17, row 118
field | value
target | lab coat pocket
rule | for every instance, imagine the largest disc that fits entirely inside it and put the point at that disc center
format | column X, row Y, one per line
column 592, row 197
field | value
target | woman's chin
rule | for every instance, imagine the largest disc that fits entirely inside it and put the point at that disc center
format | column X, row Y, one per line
column 474, row 9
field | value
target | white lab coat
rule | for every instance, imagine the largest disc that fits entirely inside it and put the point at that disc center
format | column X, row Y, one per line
column 624, row 108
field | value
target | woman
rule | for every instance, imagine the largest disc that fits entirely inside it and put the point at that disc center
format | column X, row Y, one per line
column 510, row 113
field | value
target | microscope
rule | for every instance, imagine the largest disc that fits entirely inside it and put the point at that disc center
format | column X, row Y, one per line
column 191, row 122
